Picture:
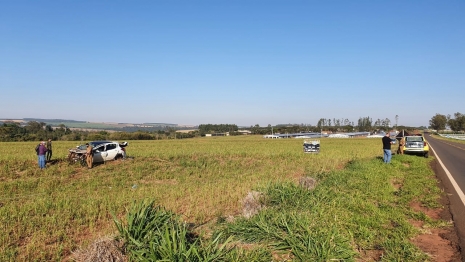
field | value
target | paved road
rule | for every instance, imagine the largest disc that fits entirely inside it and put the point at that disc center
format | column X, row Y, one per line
column 451, row 170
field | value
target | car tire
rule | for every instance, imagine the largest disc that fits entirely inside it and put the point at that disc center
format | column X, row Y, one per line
column 426, row 155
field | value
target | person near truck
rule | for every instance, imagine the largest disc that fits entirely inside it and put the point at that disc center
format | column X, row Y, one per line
column 89, row 155
column 400, row 149
column 48, row 156
column 41, row 150
column 387, row 147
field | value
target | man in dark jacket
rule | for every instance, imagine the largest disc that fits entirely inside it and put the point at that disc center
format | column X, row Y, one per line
column 41, row 153
column 387, row 148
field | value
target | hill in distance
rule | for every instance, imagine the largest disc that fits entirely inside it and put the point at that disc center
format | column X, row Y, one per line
column 85, row 125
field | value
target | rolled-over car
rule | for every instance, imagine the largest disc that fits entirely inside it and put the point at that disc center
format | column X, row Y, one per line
column 416, row 145
column 103, row 151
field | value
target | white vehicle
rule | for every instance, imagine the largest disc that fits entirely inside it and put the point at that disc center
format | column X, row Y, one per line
column 103, row 151
column 107, row 150
column 311, row 146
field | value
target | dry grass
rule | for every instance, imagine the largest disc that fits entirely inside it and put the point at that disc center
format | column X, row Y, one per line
column 308, row 183
column 252, row 204
column 106, row 249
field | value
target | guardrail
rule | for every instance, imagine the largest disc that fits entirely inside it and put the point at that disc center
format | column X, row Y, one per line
column 454, row 136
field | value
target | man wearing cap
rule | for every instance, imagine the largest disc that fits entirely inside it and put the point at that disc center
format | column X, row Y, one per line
column 89, row 155
column 41, row 153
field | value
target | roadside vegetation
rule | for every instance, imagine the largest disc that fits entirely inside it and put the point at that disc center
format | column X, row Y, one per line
column 456, row 123
column 189, row 200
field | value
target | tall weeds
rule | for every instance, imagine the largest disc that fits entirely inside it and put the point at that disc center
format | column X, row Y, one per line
column 153, row 234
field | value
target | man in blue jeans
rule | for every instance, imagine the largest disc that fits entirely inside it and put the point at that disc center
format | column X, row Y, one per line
column 41, row 153
column 387, row 148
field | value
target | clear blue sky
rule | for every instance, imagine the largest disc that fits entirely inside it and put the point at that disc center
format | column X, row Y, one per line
column 237, row 62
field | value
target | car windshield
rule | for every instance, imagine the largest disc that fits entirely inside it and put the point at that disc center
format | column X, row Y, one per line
column 414, row 139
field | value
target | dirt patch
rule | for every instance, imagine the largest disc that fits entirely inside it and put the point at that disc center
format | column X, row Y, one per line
column 441, row 244
column 437, row 246
column 283, row 255
column 434, row 213
column 370, row 255
column 416, row 223
column 396, row 183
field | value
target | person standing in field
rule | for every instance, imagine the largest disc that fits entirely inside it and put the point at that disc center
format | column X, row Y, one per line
column 401, row 146
column 49, row 150
column 124, row 152
column 387, row 147
column 89, row 155
column 41, row 150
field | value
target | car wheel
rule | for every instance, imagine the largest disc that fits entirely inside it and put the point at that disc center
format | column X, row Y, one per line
column 426, row 154
column 71, row 158
column 82, row 161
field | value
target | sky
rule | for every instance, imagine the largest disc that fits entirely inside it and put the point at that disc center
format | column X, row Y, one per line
column 232, row 62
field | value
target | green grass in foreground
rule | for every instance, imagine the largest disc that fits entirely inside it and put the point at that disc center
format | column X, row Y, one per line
column 359, row 203
column 358, row 208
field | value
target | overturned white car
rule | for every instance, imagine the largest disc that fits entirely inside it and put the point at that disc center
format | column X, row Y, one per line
column 102, row 151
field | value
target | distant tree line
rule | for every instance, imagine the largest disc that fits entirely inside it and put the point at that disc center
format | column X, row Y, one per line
column 33, row 131
column 364, row 124
column 37, row 131
column 218, row 128
column 140, row 135
column 149, row 128
column 456, row 123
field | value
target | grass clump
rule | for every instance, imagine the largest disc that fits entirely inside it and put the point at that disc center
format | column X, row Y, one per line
column 290, row 230
column 153, row 234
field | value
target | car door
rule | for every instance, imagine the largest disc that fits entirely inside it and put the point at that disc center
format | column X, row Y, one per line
column 99, row 153
column 111, row 151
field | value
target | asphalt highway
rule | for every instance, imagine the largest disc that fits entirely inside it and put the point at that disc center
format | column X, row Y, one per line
column 450, row 168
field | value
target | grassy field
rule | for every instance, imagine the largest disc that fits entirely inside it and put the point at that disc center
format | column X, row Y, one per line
column 359, row 204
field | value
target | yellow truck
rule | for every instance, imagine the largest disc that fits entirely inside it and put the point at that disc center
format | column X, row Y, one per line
column 416, row 145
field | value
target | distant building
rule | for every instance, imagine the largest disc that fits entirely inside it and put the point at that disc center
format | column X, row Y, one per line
column 218, row 134
column 350, row 135
column 296, row 135
column 244, row 132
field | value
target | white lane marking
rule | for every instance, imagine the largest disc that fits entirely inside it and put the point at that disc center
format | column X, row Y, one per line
column 452, row 180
